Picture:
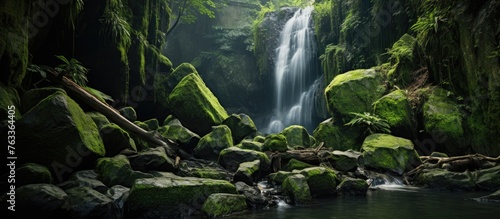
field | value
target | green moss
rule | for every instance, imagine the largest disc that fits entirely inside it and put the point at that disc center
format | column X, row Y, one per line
column 297, row 188
column 219, row 204
column 241, row 126
column 195, row 105
column 214, row 142
column 250, row 145
column 231, row 157
column 280, row 176
column 10, row 99
column 259, row 139
column 152, row 124
column 184, row 137
column 337, row 136
column 321, row 181
column 396, row 109
column 117, row 171
column 116, row 139
column 249, row 168
column 276, row 142
column 297, row 136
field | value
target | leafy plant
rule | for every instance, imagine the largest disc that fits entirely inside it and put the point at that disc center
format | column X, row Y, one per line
column 73, row 69
column 371, row 122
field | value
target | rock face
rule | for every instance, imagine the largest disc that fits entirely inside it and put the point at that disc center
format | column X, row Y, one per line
column 442, row 117
column 354, row 91
column 66, row 139
column 296, row 187
column 386, row 152
column 297, row 136
column 172, row 196
column 220, row 204
column 191, row 101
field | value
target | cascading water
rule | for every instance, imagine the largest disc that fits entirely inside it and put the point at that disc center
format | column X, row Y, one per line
column 295, row 71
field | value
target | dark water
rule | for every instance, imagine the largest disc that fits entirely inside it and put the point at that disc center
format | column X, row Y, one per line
column 390, row 202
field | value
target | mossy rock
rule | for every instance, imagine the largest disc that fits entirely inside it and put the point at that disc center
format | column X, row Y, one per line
column 172, row 196
column 297, row 188
column 241, row 126
column 171, row 120
column 165, row 65
column 322, row 181
column 186, row 139
column 203, row 169
column 152, row 124
column 403, row 59
column 152, row 159
column 231, row 158
column 117, row 171
column 195, row 105
column 488, row 179
column 440, row 179
column 165, row 83
column 259, row 139
column 396, row 109
column 34, row 96
column 276, row 142
column 220, row 204
column 354, row 91
column 65, row 140
column 442, row 117
column 247, row 172
column 116, row 139
column 250, row 145
column 86, row 202
column 32, row 173
column 213, row 143
column 388, row 153
column 294, row 164
column 345, row 160
column 129, row 113
column 297, row 136
column 84, row 178
column 352, row 187
column 10, row 103
column 337, row 136
column 99, row 119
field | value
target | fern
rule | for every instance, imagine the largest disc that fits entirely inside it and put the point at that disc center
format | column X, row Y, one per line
column 372, row 123
column 73, row 69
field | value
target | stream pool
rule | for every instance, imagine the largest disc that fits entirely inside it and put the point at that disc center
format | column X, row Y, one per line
column 387, row 202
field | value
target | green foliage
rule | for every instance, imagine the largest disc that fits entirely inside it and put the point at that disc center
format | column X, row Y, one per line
column 371, row 122
column 73, row 69
column 116, row 27
column 75, row 7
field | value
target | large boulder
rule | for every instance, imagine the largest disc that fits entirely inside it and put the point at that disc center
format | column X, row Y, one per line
column 396, row 109
column 276, row 142
column 195, row 105
column 186, row 139
column 351, row 186
column 345, row 160
column 32, row 173
column 337, row 136
column 58, row 134
column 241, row 126
column 388, row 153
column 322, row 181
column 488, row 179
column 34, row 96
column 172, row 196
column 210, row 145
column 232, row 157
column 152, row 159
column 442, row 118
column 297, row 136
column 296, row 187
column 248, row 172
column 99, row 119
column 221, row 204
column 116, row 139
column 354, row 91
column 117, row 171
column 164, row 84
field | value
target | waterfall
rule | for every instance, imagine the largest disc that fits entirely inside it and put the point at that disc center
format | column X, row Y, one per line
column 295, row 74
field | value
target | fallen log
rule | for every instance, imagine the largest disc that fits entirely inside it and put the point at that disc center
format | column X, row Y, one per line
column 111, row 113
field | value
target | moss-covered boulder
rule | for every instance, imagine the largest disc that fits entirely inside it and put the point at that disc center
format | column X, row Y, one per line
column 203, row 169
column 488, row 179
column 250, row 145
column 297, row 136
column 152, row 124
column 165, row 83
column 259, row 139
column 99, row 119
column 352, row 187
column 117, row 171
column 440, row 179
column 85, row 202
column 195, row 105
column 152, row 159
column 296, row 187
column 210, row 145
column 280, row 176
column 442, row 117
column 396, row 109
column 32, row 173
column 345, row 160
column 322, row 181
column 388, row 153
column 337, row 136
column 294, row 164
column 248, row 172
column 354, row 91
column 186, row 139
column 42, row 200
column 276, row 142
column 129, row 113
column 221, row 204
column 172, row 196
column 34, row 96
column 116, row 139
column 57, row 133
column 241, row 126
column 232, row 157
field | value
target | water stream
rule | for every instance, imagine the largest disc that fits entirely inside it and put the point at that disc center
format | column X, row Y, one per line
column 295, row 74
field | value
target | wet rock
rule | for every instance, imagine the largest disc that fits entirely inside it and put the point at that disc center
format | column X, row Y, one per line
column 488, row 179
column 351, row 186
column 221, row 204
column 119, row 195
column 253, row 195
column 99, row 119
column 152, row 124
column 250, row 145
column 395, row 108
column 186, row 139
column 294, row 164
column 280, row 176
column 33, row 96
column 493, row 197
column 297, row 188
column 337, row 136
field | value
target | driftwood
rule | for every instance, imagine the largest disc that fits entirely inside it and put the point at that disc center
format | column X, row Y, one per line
column 458, row 163
column 310, row 155
column 111, row 113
